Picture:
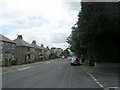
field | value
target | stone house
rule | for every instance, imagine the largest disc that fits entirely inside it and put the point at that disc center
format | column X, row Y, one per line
column 53, row 50
column 24, row 52
column 38, row 50
column 42, row 50
column 59, row 52
column 7, row 48
column 47, row 53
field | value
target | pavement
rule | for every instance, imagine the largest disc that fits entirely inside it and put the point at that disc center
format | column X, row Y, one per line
column 107, row 75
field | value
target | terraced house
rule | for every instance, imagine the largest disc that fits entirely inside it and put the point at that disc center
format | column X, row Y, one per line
column 7, row 48
column 42, row 49
column 47, row 53
column 24, row 52
column 59, row 52
column 37, row 50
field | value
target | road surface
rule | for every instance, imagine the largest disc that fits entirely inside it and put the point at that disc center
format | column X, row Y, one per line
column 52, row 74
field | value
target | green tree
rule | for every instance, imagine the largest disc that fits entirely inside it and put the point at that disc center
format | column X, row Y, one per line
column 73, row 40
column 96, row 36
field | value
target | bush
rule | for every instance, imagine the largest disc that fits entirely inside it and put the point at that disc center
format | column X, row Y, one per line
column 41, row 58
column 14, row 62
column 53, row 56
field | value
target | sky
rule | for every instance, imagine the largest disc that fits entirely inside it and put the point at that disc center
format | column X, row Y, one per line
column 48, row 22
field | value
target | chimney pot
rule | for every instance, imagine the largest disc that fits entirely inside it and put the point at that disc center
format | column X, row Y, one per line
column 20, row 37
column 34, row 42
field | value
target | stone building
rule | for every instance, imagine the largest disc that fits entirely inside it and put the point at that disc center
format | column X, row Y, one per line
column 7, row 48
column 24, row 52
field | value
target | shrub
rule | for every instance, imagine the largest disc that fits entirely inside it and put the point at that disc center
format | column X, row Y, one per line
column 52, row 56
column 14, row 62
column 41, row 58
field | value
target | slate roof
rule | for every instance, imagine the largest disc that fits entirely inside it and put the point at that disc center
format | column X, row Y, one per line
column 47, row 48
column 20, row 42
column 38, row 47
column 3, row 38
column 42, row 48
column 35, row 46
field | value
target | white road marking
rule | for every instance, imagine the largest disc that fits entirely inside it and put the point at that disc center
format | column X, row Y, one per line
column 114, row 88
column 95, row 80
column 24, row 68
column 48, row 62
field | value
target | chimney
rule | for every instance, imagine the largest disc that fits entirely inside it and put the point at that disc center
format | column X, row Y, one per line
column 42, row 45
column 20, row 37
column 47, row 47
column 34, row 42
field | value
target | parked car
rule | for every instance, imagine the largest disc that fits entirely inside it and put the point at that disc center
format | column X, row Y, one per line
column 75, row 61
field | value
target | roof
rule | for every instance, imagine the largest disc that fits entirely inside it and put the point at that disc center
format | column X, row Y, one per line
column 42, row 47
column 47, row 48
column 35, row 46
column 20, row 42
column 53, row 48
column 3, row 38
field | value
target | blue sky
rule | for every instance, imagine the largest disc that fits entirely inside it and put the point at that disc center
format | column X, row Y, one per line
column 48, row 22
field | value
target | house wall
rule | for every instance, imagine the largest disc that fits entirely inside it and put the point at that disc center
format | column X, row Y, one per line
column 42, row 51
column 32, row 54
column 47, row 53
column 37, row 53
column 1, row 58
column 20, row 54
column 1, row 54
column 24, row 54
column 6, row 53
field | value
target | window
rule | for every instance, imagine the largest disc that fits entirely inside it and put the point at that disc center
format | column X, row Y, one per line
column 1, row 57
column 0, row 45
column 28, row 56
column 32, row 50
column 28, row 49
column 13, row 46
column 7, row 55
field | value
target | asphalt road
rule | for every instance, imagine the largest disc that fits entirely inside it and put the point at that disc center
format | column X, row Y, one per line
column 53, row 74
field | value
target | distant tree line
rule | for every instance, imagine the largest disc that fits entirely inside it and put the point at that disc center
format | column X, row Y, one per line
column 96, row 35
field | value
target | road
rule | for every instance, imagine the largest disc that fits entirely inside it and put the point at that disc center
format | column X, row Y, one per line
column 52, row 74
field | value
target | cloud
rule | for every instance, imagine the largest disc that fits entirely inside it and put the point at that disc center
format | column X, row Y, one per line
column 59, row 38
column 43, row 35
column 21, row 20
column 75, row 6
column 46, row 21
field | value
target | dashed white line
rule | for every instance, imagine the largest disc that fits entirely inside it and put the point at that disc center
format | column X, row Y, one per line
column 95, row 80
column 24, row 68
column 48, row 62
column 113, row 88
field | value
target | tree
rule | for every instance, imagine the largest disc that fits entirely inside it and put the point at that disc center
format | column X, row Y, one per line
column 73, row 40
column 96, row 36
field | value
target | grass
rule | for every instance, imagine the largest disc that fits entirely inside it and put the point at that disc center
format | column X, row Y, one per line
column 12, row 70
column 37, row 64
column 6, row 71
